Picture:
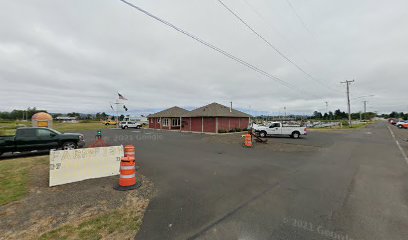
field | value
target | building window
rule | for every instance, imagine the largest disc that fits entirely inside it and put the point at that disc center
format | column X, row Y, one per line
column 158, row 120
column 151, row 120
column 175, row 122
column 165, row 122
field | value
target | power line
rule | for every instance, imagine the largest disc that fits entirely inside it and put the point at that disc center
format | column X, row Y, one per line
column 300, row 19
column 269, row 25
column 270, row 44
column 225, row 53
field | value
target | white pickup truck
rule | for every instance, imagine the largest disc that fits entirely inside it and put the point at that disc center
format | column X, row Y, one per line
column 276, row 128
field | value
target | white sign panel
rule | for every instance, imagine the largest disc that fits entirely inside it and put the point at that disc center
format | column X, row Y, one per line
column 68, row 166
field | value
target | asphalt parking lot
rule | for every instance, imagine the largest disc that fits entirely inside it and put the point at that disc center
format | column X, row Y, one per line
column 327, row 185
column 346, row 185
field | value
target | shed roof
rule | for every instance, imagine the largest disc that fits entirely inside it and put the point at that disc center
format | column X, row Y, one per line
column 215, row 110
column 170, row 112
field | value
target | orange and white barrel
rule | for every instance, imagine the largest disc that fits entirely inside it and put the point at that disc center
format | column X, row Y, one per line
column 127, row 172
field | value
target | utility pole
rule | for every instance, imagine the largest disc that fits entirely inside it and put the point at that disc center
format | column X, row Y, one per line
column 347, row 82
column 365, row 106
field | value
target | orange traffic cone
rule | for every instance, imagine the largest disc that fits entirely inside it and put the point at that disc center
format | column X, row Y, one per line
column 130, row 152
column 248, row 140
column 127, row 178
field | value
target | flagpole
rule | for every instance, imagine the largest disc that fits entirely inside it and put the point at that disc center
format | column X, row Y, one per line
column 117, row 116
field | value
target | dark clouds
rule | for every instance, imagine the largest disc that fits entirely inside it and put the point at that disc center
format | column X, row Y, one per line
column 75, row 55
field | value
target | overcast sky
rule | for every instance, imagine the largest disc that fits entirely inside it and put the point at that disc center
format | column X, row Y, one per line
column 75, row 55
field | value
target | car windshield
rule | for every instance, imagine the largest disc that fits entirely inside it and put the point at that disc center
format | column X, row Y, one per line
column 55, row 131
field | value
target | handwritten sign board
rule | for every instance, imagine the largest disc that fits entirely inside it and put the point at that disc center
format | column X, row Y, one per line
column 68, row 166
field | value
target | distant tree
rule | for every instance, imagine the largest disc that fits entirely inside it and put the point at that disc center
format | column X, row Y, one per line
column 104, row 115
column 317, row 115
column 331, row 116
column 394, row 115
column 340, row 115
column 356, row 115
column 369, row 115
column 74, row 114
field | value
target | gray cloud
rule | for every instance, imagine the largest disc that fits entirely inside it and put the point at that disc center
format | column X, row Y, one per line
column 75, row 55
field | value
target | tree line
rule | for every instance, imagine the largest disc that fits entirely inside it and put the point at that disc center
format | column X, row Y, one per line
column 341, row 115
column 27, row 115
column 395, row 115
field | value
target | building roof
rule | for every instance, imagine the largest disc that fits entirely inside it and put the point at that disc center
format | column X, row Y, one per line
column 41, row 116
column 170, row 112
column 215, row 110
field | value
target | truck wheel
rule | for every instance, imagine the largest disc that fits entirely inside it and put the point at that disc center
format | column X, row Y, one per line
column 295, row 135
column 69, row 146
column 106, row 124
column 125, row 127
column 262, row 134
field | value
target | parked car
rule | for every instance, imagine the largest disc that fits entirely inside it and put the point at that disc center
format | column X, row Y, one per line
column 276, row 128
column 405, row 125
column 400, row 123
column 110, row 122
column 393, row 121
column 130, row 124
column 35, row 138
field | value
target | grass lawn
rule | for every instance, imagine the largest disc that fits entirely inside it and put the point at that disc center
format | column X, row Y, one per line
column 9, row 128
column 119, row 224
column 14, row 177
column 81, row 126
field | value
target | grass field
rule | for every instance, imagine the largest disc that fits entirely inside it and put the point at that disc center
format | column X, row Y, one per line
column 119, row 224
column 9, row 128
column 14, row 177
column 17, row 179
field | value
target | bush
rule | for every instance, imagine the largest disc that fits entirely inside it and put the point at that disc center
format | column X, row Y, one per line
column 238, row 129
column 232, row 130
column 345, row 123
column 222, row 131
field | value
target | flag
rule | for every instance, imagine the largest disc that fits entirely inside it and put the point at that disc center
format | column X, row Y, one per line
column 121, row 97
column 125, row 108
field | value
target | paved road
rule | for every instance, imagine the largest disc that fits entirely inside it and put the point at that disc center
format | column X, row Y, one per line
column 355, row 186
